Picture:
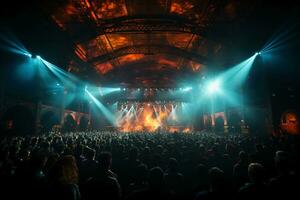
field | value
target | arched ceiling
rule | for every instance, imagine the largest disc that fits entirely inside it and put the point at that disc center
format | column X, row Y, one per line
column 112, row 35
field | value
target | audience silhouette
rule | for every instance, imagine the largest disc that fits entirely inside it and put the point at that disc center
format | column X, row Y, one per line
column 113, row 165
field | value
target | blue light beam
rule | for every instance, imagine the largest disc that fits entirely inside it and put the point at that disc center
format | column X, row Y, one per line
column 108, row 115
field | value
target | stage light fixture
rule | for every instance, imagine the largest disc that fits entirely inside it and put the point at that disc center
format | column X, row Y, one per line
column 213, row 86
column 29, row 55
column 257, row 53
column 187, row 89
column 38, row 57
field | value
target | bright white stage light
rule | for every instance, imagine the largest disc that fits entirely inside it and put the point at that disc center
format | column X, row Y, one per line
column 213, row 86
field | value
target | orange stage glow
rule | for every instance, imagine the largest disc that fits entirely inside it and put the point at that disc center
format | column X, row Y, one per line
column 179, row 129
column 146, row 118
column 149, row 117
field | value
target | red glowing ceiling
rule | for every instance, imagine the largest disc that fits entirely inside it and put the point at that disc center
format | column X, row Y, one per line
column 109, row 34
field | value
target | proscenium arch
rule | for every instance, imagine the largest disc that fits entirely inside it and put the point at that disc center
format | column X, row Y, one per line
column 149, row 50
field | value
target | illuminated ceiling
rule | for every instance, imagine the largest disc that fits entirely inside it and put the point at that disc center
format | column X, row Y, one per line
column 137, row 42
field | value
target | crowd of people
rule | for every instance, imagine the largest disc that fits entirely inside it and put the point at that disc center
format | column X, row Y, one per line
column 113, row 165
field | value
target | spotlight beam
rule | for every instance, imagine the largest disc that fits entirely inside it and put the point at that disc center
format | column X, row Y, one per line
column 13, row 45
column 63, row 76
column 283, row 35
column 107, row 90
column 109, row 116
column 237, row 74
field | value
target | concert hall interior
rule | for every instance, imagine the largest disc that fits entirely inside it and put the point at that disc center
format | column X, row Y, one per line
column 117, row 78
